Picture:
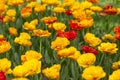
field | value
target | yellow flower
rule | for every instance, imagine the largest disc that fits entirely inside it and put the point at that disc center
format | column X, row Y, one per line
column 4, row 45
column 5, row 65
column 76, row 6
column 9, row 16
column 66, row 52
column 59, row 26
column 51, row 2
column 75, row 56
column 26, row 12
column 58, row 10
column 3, row 1
column 11, row 11
column 20, row 79
column 108, row 47
column 94, row 1
column 50, row 26
column 12, row 19
column 41, row 33
column 93, row 73
column 115, row 75
column 1, row 36
column 86, row 60
column 31, row 54
column 89, row 12
column 96, row 8
column 79, row 14
column 91, row 39
column 116, row 65
column 33, row 66
column 48, row 20
column 25, row 35
column 86, row 4
column 52, row 72
column 118, row 10
column 23, row 39
column 20, row 71
column 13, row 31
column 40, row 8
column 30, row 26
column 15, row 2
column 34, row 22
column 30, row 67
column 68, row 2
column 31, row 0
column 109, row 37
column 86, row 23
column 3, row 8
column 6, row 19
column 32, row 4
column 60, row 43
column 70, row 52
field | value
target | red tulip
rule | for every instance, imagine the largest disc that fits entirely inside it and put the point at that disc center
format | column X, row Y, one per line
column 74, row 25
column 1, row 18
column 70, row 35
column 88, row 49
column 2, row 76
column 117, row 36
column 117, row 29
column 60, row 34
column 68, row 12
column 111, row 11
column 107, row 6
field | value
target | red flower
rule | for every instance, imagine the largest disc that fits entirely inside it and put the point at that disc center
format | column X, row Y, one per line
column 111, row 11
column 68, row 12
column 107, row 6
column 74, row 25
column 1, row 18
column 88, row 49
column 60, row 34
column 117, row 29
column 94, row 1
column 70, row 35
column 117, row 36
column 2, row 76
column 2, row 40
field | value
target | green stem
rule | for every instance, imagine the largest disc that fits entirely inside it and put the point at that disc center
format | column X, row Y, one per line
column 21, row 52
column 81, row 69
column 74, row 70
column 101, row 59
column 40, row 76
column 2, row 55
column 108, row 66
column 67, row 69
column 40, row 44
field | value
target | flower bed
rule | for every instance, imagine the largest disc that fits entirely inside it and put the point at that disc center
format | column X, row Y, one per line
column 59, row 40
